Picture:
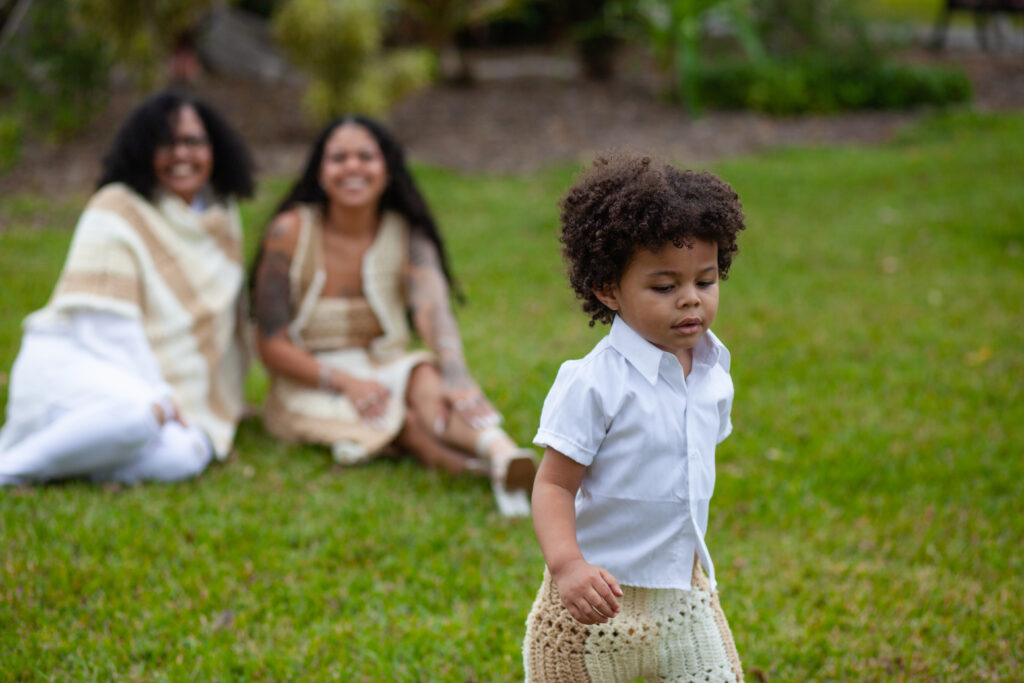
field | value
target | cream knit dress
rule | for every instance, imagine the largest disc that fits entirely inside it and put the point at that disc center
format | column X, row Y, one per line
column 366, row 337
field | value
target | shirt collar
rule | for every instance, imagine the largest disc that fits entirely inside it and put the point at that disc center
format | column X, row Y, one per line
column 646, row 357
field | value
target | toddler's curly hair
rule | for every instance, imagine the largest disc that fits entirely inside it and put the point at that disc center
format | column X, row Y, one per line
column 626, row 203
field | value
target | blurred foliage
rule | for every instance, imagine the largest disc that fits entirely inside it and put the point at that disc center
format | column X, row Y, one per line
column 339, row 45
column 815, row 85
column 439, row 22
column 824, row 27
column 676, row 32
column 53, row 76
column 142, row 35
column 10, row 141
column 55, row 68
column 824, row 60
column 777, row 56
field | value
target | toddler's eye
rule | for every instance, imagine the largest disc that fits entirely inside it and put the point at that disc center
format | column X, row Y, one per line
column 663, row 288
column 705, row 284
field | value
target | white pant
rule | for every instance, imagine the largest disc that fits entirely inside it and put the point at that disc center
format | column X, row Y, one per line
column 81, row 405
column 110, row 440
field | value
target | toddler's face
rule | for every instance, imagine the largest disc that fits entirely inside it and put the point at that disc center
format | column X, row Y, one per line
column 669, row 296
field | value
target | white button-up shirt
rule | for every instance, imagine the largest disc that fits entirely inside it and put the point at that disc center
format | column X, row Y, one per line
column 647, row 437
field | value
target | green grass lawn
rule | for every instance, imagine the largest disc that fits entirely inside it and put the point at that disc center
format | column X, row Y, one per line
column 867, row 522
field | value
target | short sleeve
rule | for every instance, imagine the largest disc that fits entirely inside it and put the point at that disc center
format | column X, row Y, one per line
column 574, row 420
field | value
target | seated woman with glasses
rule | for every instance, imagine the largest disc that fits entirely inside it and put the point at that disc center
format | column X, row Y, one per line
column 134, row 369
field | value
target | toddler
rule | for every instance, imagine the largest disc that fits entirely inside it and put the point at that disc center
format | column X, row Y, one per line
column 620, row 503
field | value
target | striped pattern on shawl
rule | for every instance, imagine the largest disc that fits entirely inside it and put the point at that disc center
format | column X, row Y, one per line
column 180, row 274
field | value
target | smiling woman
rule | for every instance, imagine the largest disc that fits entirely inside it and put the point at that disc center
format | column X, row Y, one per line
column 183, row 162
column 351, row 257
column 133, row 370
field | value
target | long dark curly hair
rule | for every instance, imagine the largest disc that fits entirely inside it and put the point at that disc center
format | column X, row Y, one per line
column 130, row 157
column 401, row 194
column 628, row 202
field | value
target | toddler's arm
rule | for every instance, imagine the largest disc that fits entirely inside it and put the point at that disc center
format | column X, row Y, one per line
column 587, row 591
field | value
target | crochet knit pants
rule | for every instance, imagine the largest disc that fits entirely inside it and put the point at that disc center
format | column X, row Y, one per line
column 660, row 634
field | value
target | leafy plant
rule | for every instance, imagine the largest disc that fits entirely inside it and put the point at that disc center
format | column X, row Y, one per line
column 823, row 28
column 439, row 22
column 675, row 31
column 53, row 75
column 10, row 141
column 783, row 56
column 141, row 35
column 817, row 85
column 339, row 44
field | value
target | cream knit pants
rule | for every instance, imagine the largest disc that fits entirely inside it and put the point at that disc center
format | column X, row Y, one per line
column 660, row 634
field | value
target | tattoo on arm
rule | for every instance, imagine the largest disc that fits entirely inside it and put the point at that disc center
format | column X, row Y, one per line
column 272, row 301
column 277, row 231
column 427, row 293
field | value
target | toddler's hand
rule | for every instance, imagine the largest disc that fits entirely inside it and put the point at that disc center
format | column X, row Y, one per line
column 588, row 592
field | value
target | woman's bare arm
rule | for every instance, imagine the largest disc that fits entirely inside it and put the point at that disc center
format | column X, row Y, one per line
column 273, row 311
column 427, row 295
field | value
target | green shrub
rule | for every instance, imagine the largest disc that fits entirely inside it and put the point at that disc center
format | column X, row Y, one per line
column 141, row 35
column 827, row 85
column 438, row 23
column 10, row 141
column 338, row 43
column 53, row 76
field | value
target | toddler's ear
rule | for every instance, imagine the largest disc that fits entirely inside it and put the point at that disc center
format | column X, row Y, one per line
column 609, row 296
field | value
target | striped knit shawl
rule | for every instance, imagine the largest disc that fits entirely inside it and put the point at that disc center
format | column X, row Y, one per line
column 180, row 274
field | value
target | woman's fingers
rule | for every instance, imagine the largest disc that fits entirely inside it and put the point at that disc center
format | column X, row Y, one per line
column 371, row 402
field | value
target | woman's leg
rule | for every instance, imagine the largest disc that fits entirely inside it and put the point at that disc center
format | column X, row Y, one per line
column 426, row 448
column 96, row 437
column 422, row 407
column 177, row 452
column 511, row 468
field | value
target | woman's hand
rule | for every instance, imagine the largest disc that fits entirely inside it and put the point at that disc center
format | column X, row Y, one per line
column 588, row 592
column 472, row 406
column 166, row 411
column 369, row 398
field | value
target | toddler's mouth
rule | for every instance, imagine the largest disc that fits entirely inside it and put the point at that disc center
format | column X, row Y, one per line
column 687, row 326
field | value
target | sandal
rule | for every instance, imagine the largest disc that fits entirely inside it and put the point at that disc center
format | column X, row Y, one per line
column 515, row 469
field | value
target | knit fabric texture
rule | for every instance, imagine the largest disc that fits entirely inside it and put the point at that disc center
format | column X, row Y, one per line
column 660, row 634
column 180, row 274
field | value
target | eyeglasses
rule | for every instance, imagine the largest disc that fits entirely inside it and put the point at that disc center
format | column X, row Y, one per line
column 191, row 142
